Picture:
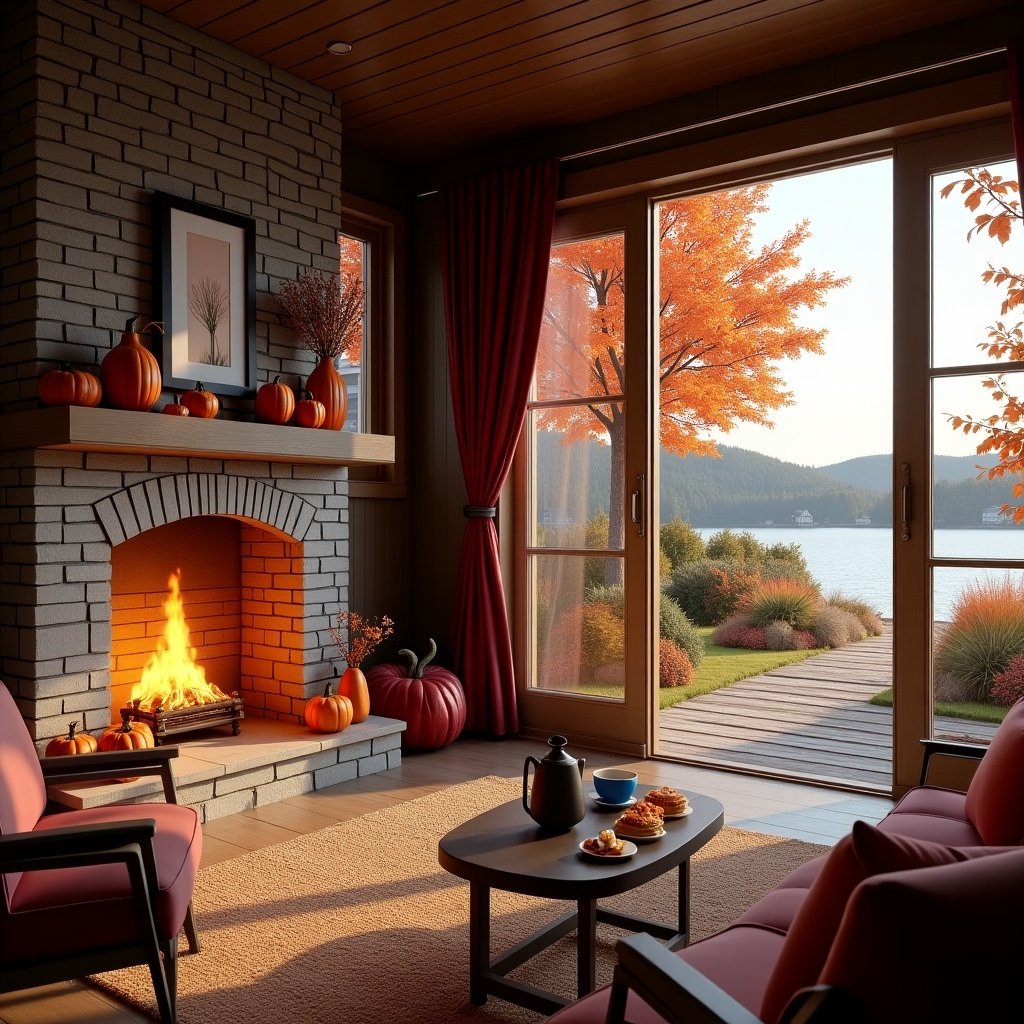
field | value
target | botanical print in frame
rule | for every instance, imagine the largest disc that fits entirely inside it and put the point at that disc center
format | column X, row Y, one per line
column 206, row 295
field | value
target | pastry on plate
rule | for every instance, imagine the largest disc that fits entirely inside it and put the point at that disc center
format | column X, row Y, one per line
column 606, row 844
column 642, row 819
column 670, row 800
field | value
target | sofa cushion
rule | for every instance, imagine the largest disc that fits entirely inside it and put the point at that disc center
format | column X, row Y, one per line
column 939, row 944
column 933, row 814
column 865, row 852
column 993, row 804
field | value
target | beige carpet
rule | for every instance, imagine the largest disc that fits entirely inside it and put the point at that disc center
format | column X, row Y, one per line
column 358, row 924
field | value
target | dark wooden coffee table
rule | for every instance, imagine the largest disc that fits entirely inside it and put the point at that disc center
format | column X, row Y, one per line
column 504, row 849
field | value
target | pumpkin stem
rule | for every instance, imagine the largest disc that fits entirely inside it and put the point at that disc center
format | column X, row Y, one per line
column 410, row 656
column 426, row 659
column 200, row 386
column 71, row 730
column 327, row 689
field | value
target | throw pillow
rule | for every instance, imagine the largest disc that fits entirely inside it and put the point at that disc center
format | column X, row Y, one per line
column 865, row 852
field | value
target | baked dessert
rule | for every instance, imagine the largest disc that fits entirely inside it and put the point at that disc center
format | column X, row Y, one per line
column 607, row 844
column 643, row 819
column 670, row 800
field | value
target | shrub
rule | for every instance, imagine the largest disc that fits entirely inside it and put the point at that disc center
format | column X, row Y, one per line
column 790, row 554
column 781, row 569
column 790, row 601
column 950, row 690
column 779, row 636
column 726, row 546
column 674, row 668
column 681, row 543
column 985, row 635
column 804, row 640
column 835, row 627
column 737, row 631
column 869, row 618
column 1008, row 686
column 595, row 630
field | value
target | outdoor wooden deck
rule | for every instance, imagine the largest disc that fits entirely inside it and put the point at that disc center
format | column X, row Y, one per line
column 811, row 720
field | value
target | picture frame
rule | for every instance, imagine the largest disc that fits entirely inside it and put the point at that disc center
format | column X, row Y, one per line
column 204, row 280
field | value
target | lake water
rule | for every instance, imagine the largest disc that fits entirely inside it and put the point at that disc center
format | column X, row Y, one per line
column 858, row 560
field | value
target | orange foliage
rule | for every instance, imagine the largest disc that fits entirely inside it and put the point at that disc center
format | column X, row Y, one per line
column 350, row 269
column 1003, row 432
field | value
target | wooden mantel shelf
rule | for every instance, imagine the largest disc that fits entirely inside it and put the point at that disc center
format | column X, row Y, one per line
column 77, row 429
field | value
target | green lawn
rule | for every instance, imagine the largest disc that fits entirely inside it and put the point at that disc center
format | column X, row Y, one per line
column 972, row 710
column 720, row 667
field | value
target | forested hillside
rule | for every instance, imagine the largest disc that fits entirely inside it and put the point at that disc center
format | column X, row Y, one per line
column 744, row 488
column 874, row 472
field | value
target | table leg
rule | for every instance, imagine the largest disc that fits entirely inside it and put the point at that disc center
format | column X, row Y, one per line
column 684, row 904
column 479, row 940
column 586, row 946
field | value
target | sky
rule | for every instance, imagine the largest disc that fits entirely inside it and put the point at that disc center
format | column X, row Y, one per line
column 843, row 399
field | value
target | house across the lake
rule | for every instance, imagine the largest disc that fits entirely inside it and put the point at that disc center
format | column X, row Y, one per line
column 803, row 518
column 994, row 516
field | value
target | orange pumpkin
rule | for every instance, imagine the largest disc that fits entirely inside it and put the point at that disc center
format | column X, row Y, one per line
column 353, row 685
column 73, row 743
column 201, row 403
column 130, row 373
column 175, row 408
column 67, row 386
column 330, row 713
column 275, row 402
column 126, row 735
column 309, row 412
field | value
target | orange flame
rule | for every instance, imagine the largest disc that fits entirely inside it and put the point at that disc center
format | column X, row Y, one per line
column 172, row 678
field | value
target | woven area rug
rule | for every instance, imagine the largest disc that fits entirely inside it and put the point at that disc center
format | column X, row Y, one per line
column 357, row 923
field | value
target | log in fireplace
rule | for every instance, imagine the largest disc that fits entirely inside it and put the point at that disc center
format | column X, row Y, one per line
column 171, row 722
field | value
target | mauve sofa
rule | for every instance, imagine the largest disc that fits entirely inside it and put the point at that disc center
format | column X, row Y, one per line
column 916, row 919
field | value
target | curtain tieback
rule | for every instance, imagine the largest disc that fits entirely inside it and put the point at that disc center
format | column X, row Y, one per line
column 479, row 511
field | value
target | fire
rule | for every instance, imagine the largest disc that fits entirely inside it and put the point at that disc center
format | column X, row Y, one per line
column 171, row 678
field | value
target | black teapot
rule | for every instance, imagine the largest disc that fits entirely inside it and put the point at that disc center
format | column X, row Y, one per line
column 556, row 798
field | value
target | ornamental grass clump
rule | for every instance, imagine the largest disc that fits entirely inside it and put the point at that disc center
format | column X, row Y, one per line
column 986, row 633
column 324, row 310
column 835, row 627
column 869, row 618
column 790, row 601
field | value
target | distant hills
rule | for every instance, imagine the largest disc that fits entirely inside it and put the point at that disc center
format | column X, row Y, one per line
column 747, row 489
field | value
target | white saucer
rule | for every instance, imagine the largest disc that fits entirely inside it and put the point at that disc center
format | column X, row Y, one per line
column 646, row 839
column 628, row 849
column 605, row 806
column 681, row 814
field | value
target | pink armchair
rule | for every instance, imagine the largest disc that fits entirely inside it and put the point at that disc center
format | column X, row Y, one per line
column 91, row 890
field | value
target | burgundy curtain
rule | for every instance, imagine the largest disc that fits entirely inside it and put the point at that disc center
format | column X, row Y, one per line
column 1016, row 50
column 496, row 242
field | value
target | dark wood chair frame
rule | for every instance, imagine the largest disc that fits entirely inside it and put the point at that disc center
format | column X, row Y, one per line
column 948, row 748
column 126, row 842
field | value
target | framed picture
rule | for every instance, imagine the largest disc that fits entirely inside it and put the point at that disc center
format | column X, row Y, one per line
column 205, row 283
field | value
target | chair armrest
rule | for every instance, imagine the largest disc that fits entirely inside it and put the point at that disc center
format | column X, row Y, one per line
column 74, row 845
column 950, row 748
column 110, row 764
column 679, row 992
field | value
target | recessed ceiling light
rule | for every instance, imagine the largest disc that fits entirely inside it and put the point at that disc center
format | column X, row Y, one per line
column 339, row 47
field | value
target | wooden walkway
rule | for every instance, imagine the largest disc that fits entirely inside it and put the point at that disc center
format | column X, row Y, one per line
column 810, row 720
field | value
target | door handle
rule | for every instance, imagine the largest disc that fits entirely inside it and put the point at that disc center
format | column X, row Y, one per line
column 636, row 505
column 905, row 497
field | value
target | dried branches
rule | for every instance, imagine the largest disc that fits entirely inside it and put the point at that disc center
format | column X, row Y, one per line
column 357, row 637
column 325, row 310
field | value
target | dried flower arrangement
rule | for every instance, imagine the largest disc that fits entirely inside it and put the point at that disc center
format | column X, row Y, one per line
column 357, row 637
column 325, row 310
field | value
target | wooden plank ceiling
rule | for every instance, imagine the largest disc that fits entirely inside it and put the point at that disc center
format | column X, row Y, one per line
column 428, row 80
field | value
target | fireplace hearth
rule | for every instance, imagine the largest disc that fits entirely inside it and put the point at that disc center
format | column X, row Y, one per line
column 175, row 721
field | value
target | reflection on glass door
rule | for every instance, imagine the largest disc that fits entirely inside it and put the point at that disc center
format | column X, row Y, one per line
column 977, row 542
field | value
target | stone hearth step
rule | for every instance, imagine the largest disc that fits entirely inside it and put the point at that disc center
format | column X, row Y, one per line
column 221, row 774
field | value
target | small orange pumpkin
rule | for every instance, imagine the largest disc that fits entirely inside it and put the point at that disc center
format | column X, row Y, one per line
column 275, row 402
column 175, row 408
column 201, row 403
column 126, row 735
column 353, row 685
column 68, row 386
column 73, row 743
column 309, row 412
column 330, row 713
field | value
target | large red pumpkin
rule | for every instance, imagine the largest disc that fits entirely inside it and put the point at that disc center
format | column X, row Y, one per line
column 428, row 698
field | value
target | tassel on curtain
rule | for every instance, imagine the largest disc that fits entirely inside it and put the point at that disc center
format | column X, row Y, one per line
column 496, row 241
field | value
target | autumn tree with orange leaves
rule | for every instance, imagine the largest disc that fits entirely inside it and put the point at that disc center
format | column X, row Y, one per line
column 728, row 314
column 996, row 204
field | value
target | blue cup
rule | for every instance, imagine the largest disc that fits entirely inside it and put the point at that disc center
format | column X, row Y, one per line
column 614, row 785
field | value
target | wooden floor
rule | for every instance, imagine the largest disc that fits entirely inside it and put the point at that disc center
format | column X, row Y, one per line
column 810, row 720
column 809, row 813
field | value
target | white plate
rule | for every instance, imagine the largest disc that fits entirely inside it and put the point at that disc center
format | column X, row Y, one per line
column 605, row 806
column 628, row 849
column 681, row 814
column 646, row 839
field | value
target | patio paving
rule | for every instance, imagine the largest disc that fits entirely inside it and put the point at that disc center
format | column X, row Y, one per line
column 810, row 720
